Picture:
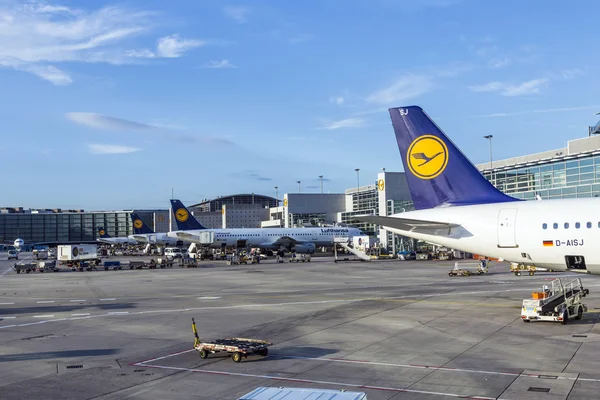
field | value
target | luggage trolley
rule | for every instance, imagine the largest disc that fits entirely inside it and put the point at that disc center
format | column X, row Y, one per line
column 237, row 347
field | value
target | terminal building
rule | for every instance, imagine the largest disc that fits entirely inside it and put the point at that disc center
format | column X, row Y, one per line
column 569, row 172
column 72, row 226
column 572, row 171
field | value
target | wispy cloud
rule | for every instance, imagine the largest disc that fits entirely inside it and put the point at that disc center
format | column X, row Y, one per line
column 100, row 121
column 302, row 38
column 540, row 111
column 35, row 35
column 499, row 62
column 239, row 14
column 172, row 46
column 111, row 149
column 339, row 100
column 49, row 73
column 571, row 73
column 219, row 64
column 510, row 89
column 405, row 88
column 251, row 174
column 345, row 123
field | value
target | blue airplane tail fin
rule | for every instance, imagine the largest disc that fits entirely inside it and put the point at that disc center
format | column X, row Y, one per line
column 139, row 226
column 437, row 172
column 102, row 233
column 183, row 217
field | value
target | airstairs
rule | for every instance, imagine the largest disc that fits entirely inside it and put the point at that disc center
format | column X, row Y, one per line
column 344, row 242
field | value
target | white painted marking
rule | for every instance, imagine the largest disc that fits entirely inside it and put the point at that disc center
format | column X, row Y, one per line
column 6, row 304
column 9, row 326
column 208, row 298
column 45, row 301
column 6, row 272
column 76, row 301
column 311, row 381
column 167, row 356
column 413, row 366
column 118, row 313
column 79, row 315
column 43, row 316
column 107, row 299
column 1, row 317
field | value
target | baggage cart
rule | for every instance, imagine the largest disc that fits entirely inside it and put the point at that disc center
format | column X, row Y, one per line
column 237, row 347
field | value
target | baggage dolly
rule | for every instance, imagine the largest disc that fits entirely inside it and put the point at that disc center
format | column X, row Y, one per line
column 237, row 347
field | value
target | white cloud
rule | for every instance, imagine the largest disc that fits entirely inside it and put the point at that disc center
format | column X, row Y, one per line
column 509, row 89
column 339, row 100
column 173, row 46
column 100, row 121
column 345, row 123
column 219, row 64
column 499, row 62
column 49, row 73
column 237, row 13
column 540, row 111
column 571, row 73
column 35, row 35
column 111, row 149
column 405, row 88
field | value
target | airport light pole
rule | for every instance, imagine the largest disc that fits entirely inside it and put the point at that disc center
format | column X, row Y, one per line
column 489, row 137
column 357, row 180
column 277, row 195
column 321, row 178
column 298, row 182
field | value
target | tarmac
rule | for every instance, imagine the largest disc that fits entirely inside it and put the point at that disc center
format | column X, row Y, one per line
column 392, row 329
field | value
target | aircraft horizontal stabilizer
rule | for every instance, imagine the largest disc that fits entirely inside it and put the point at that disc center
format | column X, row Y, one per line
column 405, row 224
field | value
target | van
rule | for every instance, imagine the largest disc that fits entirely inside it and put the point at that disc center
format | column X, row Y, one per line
column 13, row 254
column 173, row 252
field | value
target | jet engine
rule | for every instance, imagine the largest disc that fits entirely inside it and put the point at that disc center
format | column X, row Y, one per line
column 305, row 248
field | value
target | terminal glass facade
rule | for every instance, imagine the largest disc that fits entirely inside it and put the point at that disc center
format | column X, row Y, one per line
column 62, row 227
column 559, row 179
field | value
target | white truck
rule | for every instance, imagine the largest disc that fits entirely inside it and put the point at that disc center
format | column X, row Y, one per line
column 78, row 256
column 277, row 393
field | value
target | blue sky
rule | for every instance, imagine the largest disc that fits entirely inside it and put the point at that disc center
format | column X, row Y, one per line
column 111, row 105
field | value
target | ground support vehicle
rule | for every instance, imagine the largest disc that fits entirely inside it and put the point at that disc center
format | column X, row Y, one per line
column 558, row 302
column 25, row 266
column 301, row 258
column 517, row 268
column 115, row 265
column 237, row 347
column 47, row 266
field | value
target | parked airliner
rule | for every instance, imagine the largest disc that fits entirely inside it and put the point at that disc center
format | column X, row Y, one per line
column 458, row 208
column 106, row 238
column 142, row 233
column 300, row 240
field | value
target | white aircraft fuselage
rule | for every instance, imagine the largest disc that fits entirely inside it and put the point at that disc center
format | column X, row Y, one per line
column 270, row 238
column 154, row 238
column 528, row 232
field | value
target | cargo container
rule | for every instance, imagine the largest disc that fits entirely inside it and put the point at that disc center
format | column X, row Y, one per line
column 78, row 256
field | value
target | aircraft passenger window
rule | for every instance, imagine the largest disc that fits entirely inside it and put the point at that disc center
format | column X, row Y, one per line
column 577, row 225
column 566, row 225
column 555, row 225
column 589, row 225
column 544, row 226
